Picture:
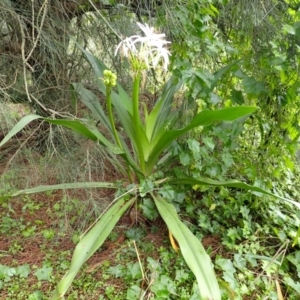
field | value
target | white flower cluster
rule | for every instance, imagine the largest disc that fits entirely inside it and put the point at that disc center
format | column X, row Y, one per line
column 152, row 48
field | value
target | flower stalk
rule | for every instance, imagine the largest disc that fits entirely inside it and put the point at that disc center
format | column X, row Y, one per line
column 137, row 121
column 110, row 80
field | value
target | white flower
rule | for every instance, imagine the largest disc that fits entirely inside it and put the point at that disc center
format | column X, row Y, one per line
column 151, row 50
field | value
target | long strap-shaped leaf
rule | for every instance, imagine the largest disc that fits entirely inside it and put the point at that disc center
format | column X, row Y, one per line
column 230, row 183
column 55, row 187
column 161, row 112
column 75, row 125
column 93, row 103
column 204, row 118
column 193, row 252
column 91, row 243
column 18, row 127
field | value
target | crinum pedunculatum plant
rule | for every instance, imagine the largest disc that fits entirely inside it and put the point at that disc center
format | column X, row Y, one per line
column 143, row 158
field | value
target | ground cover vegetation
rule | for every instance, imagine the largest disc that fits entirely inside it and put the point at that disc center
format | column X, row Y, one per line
column 188, row 186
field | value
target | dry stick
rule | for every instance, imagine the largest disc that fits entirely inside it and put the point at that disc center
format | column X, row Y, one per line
column 24, row 59
column 280, row 251
column 11, row 85
column 139, row 259
column 25, row 63
column 103, row 18
column 266, row 12
column 141, row 267
column 35, row 41
column 2, row 89
column 32, row 18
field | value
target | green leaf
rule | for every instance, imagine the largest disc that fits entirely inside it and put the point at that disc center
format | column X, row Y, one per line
column 227, row 158
column 237, row 97
column 192, row 251
column 289, row 29
column 89, row 131
column 163, row 287
column 253, row 87
column 149, row 209
column 229, row 270
column 134, row 292
column 74, row 125
column 218, row 75
column 135, row 233
column 43, row 273
column 18, row 127
column 194, row 145
column 209, row 143
column 23, row 271
column 37, row 295
column 162, row 109
column 90, row 243
column 184, row 158
column 231, row 183
column 4, row 271
column 92, row 102
column 125, row 98
column 134, row 270
column 204, row 118
column 62, row 186
column 118, row 271
column 122, row 104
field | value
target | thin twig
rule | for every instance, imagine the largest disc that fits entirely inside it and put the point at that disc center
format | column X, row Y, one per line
column 103, row 18
column 139, row 259
column 35, row 41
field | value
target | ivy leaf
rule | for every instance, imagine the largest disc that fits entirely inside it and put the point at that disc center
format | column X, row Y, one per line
column 226, row 265
column 289, row 29
column 194, row 145
column 229, row 270
column 11, row 272
column 117, row 271
column 23, row 271
column 237, row 97
column 240, row 262
column 213, row 171
column 134, row 270
column 253, row 87
column 227, row 159
column 209, row 143
column 135, row 233
column 214, row 99
column 149, row 209
column 164, row 287
column 134, row 292
column 43, row 273
column 145, row 187
column 37, row 295
column 184, row 159
column 3, row 271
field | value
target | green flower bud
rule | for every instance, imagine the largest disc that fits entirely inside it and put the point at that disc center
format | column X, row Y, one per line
column 110, row 79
